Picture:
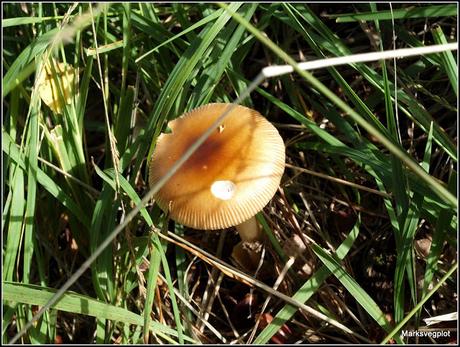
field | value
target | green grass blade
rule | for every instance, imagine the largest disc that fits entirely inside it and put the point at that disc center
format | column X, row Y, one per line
column 438, row 239
column 29, row 217
column 108, row 176
column 400, row 210
column 10, row 22
column 352, row 286
column 399, row 175
column 125, row 114
column 99, row 228
column 172, row 295
column 83, row 94
column 182, row 280
column 222, row 54
column 23, row 66
column 445, row 10
column 14, row 233
column 47, row 182
column 406, row 258
column 189, row 29
column 152, row 278
column 447, row 58
column 80, row 304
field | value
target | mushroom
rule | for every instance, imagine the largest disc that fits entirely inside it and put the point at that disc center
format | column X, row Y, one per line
column 228, row 179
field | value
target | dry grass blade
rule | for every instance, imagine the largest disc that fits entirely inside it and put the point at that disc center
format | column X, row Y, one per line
column 280, row 279
column 197, row 314
column 339, row 180
column 104, row 83
column 272, row 71
column 69, row 176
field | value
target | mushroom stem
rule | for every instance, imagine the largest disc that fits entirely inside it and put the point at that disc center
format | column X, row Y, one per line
column 248, row 251
column 250, row 230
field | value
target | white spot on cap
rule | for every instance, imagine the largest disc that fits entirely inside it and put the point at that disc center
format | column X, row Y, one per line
column 223, row 190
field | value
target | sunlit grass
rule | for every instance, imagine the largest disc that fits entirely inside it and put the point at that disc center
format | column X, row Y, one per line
column 384, row 155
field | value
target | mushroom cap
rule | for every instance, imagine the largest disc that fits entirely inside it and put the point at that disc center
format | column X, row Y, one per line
column 229, row 178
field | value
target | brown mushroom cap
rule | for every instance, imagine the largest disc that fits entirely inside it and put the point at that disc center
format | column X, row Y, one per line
column 229, row 178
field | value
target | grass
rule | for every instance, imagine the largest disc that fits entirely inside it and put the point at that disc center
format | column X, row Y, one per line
column 369, row 189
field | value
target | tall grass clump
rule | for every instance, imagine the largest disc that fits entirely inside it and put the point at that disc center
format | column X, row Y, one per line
column 360, row 239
